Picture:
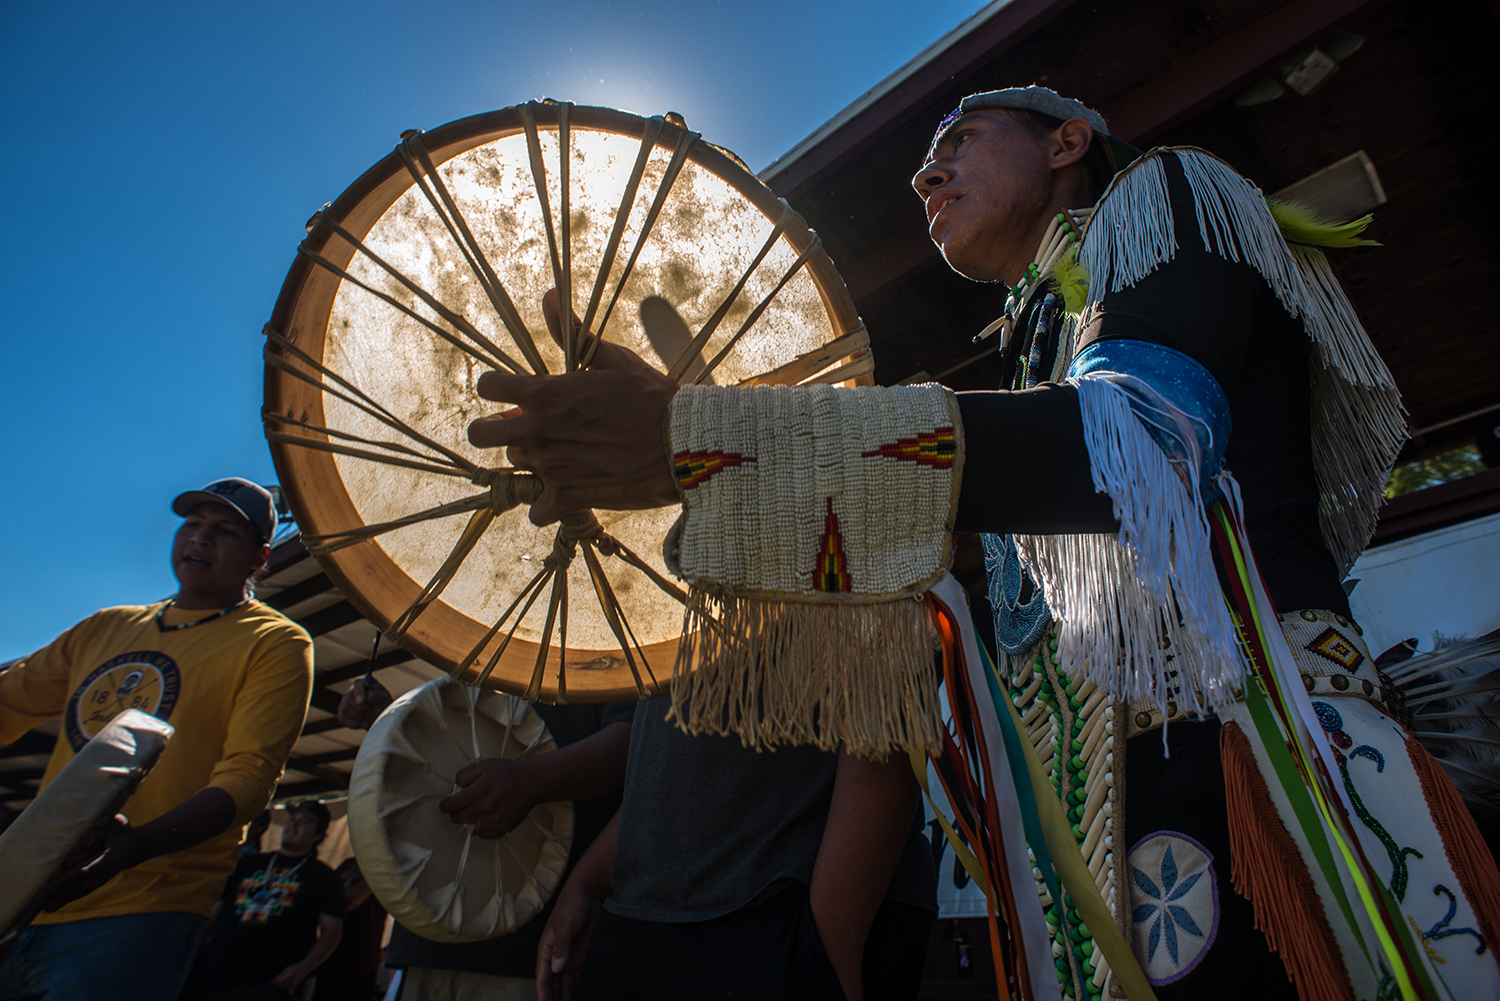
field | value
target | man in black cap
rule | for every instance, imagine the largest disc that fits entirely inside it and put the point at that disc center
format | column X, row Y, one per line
column 233, row 678
column 280, row 918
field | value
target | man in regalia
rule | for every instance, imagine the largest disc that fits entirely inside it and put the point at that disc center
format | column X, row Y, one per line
column 1184, row 457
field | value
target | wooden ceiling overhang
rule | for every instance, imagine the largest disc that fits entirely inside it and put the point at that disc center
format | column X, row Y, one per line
column 1165, row 72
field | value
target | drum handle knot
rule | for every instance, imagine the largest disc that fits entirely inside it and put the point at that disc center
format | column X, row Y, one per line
column 575, row 528
column 508, row 487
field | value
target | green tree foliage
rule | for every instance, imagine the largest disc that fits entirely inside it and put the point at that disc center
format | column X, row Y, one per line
column 1430, row 472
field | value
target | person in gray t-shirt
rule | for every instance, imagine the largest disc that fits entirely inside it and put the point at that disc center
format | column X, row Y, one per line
column 794, row 872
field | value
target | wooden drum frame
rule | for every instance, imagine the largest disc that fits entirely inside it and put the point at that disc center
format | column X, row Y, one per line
column 438, row 207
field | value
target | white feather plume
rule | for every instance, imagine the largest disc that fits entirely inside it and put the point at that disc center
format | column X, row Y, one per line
column 1453, row 695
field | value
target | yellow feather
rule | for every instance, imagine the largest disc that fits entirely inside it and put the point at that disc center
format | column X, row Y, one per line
column 1301, row 224
column 1073, row 280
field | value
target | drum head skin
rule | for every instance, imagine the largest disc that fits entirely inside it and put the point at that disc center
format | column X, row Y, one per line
column 404, row 293
column 68, row 815
column 434, row 876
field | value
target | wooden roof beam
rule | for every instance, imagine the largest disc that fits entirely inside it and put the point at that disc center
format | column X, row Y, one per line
column 322, row 726
column 307, row 762
column 390, row 658
column 22, row 779
column 1225, row 65
column 28, row 744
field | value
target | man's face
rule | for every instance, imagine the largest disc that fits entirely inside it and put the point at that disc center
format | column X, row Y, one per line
column 986, row 189
column 300, row 834
column 216, row 549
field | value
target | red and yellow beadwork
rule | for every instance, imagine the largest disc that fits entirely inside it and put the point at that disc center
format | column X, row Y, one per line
column 696, row 468
column 935, row 448
column 832, row 573
column 1337, row 648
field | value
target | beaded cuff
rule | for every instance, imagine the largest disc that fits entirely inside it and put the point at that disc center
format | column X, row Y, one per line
column 813, row 517
column 816, row 493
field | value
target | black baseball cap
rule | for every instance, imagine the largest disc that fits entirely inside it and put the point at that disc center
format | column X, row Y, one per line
column 251, row 500
column 316, row 810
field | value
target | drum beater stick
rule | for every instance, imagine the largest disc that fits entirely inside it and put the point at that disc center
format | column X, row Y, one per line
column 369, row 678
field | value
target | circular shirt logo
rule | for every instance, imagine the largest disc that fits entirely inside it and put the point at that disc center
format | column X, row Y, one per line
column 144, row 680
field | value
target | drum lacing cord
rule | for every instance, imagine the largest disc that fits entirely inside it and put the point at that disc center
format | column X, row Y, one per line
column 578, row 531
column 851, row 352
column 814, row 244
column 447, row 461
column 498, row 357
column 576, row 528
column 419, row 164
column 508, row 488
column 685, row 142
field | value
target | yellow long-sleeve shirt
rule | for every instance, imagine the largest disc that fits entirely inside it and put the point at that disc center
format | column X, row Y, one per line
column 236, row 690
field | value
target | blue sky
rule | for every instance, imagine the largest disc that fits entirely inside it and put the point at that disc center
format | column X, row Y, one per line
column 163, row 156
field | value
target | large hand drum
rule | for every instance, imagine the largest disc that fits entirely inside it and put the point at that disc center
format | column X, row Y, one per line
column 429, row 271
column 436, row 877
column 67, row 817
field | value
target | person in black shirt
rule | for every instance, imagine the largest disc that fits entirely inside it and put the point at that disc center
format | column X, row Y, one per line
column 280, row 918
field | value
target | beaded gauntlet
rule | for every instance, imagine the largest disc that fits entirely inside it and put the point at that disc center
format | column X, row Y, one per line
column 815, row 518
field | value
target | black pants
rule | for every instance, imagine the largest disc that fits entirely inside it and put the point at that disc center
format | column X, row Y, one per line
column 769, row 952
column 1183, row 791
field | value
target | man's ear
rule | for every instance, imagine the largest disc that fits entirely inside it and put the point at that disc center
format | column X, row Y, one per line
column 1070, row 142
column 258, row 571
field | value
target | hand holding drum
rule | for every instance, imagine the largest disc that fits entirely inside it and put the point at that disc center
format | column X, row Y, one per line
column 437, row 875
column 595, row 436
column 73, row 819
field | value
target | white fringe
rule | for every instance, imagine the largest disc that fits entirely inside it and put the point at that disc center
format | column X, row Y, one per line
column 1141, row 615
column 1356, row 433
column 1359, row 424
column 1334, row 326
column 1131, row 233
column 794, row 672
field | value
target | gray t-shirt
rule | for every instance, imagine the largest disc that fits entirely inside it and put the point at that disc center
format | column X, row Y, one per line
column 709, row 826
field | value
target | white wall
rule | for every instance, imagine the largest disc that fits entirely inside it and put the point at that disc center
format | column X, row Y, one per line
column 1446, row 581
